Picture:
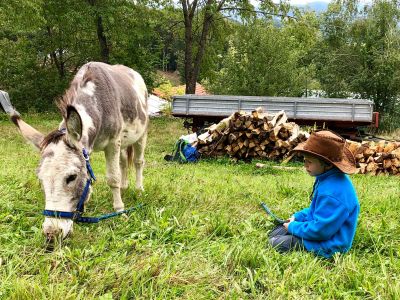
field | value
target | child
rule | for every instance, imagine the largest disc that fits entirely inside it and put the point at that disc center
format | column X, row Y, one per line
column 329, row 224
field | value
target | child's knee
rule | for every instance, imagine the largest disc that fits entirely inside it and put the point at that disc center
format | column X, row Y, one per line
column 280, row 243
column 277, row 231
column 275, row 241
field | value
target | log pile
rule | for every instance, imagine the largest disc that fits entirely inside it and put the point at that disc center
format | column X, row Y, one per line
column 267, row 136
column 252, row 135
column 376, row 158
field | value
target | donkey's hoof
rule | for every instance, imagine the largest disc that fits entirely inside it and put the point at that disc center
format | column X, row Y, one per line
column 139, row 190
column 119, row 208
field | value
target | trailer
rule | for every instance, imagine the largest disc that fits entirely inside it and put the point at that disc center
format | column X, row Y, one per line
column 343, row 115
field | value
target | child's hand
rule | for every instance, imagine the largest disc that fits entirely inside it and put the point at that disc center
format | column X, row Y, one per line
column 286, row 225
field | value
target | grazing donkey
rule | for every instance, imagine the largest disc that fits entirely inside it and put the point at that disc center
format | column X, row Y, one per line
column 104, row 109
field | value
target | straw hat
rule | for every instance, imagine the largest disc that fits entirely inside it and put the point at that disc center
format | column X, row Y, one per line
column 331, row 147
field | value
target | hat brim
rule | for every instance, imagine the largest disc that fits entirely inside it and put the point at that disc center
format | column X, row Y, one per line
column 346, row 165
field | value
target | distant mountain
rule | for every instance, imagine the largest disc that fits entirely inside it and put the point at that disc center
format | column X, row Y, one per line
column 317, row 6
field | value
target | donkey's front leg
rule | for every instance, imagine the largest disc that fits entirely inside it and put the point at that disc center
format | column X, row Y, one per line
column 112, row 153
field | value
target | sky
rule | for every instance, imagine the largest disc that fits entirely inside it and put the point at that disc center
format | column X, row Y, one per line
column 305, row 2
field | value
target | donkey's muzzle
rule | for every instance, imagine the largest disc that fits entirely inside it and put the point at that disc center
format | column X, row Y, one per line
column 54, row 228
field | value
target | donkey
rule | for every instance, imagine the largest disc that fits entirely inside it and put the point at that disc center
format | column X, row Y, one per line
column 104, row 109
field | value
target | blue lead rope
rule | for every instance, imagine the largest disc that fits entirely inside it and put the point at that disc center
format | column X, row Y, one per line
column 81, row 204
column 88, row 166
column 269, row 212
column 113, row 214
column 77, row 215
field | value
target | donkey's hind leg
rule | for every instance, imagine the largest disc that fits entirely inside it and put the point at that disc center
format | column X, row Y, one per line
column 138, row 157
column 123, row 165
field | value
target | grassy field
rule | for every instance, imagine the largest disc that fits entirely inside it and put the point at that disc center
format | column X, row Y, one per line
column 202, row 234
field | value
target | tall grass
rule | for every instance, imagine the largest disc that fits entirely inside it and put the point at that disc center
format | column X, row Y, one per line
column 201, row 235
column 388, row 126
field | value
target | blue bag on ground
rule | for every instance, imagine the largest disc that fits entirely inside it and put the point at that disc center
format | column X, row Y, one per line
column 183, row 152
column 191, row 154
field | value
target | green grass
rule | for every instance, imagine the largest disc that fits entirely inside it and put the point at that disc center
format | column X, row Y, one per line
column 202, row 234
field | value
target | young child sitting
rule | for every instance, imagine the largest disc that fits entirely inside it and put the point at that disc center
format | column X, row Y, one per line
column 329, row 224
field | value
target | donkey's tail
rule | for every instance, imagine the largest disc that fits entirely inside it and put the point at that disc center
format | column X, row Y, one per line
column 129, row 151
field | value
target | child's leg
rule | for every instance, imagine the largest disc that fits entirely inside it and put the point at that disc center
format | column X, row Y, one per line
column 283, row 241
column 278, row 230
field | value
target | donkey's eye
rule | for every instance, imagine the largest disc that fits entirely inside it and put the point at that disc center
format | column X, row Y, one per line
column 70, row 178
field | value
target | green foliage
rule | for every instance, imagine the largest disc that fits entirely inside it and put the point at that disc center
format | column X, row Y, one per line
column 201, row 235
column 42, row 48
column 262, row 59
column 359, row 54
column 348, row 51
column 221, row 31
column 29, row 85
column 140, row 46
column 165, row 90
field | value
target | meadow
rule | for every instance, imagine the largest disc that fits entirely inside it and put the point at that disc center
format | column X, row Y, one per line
column 201, row 235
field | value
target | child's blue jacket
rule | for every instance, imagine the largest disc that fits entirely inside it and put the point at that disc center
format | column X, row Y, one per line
column 329, row 224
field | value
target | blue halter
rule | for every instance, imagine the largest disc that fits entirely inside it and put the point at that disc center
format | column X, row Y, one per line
column 77, row 214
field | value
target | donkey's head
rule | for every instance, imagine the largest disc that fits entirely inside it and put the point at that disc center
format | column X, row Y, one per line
column 62, row 169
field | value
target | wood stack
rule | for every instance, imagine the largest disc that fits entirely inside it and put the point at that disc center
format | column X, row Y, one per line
column 251, row 135
column 376, row 158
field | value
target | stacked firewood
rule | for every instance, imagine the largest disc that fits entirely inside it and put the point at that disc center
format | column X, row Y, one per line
column 252, row 135
column 376, row 158
column 262, row 135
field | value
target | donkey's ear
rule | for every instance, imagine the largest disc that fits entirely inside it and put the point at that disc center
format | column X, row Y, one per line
column 28, row 132
column 74, row 124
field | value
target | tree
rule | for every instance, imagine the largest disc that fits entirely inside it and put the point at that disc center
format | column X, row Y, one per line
column 195, row 44
column 103, row 45
column 193, row 61
column 360, row 53
column 264, row 59
column 43, row 43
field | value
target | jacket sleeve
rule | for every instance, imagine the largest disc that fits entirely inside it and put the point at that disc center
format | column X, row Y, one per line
column 301, row 215
column 329, row 216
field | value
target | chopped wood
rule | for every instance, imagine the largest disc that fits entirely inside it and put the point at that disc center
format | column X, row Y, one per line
column 382, row 158
column 252, row 135
column 269, row 136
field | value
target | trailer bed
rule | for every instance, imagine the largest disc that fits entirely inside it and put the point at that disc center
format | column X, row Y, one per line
column 347, row 112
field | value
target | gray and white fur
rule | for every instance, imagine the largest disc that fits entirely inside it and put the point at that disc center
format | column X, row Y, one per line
column 104, row 109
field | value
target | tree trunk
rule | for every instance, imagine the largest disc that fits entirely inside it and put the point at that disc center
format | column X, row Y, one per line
column 208, row 17
column 188, row 58
column 57, row 59
column 104, row 48
column 192, row 69
column 188, row 13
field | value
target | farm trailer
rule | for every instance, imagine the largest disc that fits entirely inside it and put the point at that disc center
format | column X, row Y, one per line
column 342, row 115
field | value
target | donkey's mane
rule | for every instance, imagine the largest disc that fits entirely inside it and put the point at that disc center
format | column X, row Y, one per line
column 53, row 137
column 70, row 94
